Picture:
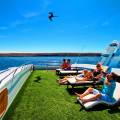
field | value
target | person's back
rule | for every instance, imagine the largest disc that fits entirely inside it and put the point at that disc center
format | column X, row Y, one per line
column 64, row 64
column 108, row 87
column 68, row 65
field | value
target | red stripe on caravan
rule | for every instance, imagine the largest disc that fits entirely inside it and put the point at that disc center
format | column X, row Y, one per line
column 3, row 101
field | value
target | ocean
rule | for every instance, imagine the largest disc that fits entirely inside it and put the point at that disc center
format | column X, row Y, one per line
column 6, row 62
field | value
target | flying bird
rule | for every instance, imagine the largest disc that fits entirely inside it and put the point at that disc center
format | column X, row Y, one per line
column 51, row 16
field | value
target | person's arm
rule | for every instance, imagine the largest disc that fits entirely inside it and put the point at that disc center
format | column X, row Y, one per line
column 107, row 82
column 61, row 66
column 68, row 66
column 99, row 76
column 64, row 66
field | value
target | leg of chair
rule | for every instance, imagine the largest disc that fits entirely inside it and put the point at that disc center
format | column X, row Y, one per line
column 73, row 88
column 94, row 85
column 67, row 86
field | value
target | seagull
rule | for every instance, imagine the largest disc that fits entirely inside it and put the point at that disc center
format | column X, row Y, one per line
column 50, row 16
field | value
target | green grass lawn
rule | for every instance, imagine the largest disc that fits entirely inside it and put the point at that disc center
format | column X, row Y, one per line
column 46, row 100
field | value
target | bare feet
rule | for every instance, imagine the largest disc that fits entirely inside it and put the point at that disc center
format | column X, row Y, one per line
column 60, row 81
column 77, row 94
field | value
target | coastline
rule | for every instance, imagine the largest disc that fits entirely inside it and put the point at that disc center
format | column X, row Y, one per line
column 47, row 54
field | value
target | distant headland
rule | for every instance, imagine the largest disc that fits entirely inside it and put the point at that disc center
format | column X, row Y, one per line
column 47, row 54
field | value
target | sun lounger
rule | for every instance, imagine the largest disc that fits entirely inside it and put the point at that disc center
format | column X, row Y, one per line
column 116, row 96
column 77, row 69
column 91, row 104
column 61, row 72
column 72, row 82
column 116, row 70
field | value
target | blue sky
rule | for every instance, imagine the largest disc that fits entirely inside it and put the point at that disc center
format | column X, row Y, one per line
column 81, row 25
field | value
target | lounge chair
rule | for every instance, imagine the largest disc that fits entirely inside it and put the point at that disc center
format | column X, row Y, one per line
column 77, row 69
column 73, row 71
column 116, row 70
column 72, row 82
column 116, row 96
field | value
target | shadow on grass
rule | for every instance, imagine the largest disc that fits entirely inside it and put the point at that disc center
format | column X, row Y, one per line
column 114, row 110
column 82, row 108
column 95, row 108
column 38, row 78
column 101, row 107
column 72, row 91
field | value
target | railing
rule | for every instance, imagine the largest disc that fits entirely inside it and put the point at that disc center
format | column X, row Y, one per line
column 13, row 80
column 13, row 71
column 4, row 71
column 48, row 65
column 6, row 76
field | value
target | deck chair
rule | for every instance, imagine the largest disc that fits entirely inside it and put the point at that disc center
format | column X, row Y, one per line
column 72, row 82
column 116, row 96
column 77, row 69
column 73, row 71
column 116, row 70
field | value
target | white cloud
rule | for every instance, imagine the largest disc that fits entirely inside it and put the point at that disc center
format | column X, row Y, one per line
column 10, row 51
column 43, row 8
column 105, row 23
column 31, row 14
column 17, row 23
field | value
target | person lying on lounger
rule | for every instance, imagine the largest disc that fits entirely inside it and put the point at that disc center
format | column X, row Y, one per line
column 107, row 91
column 87, row 75
column 96, row 74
